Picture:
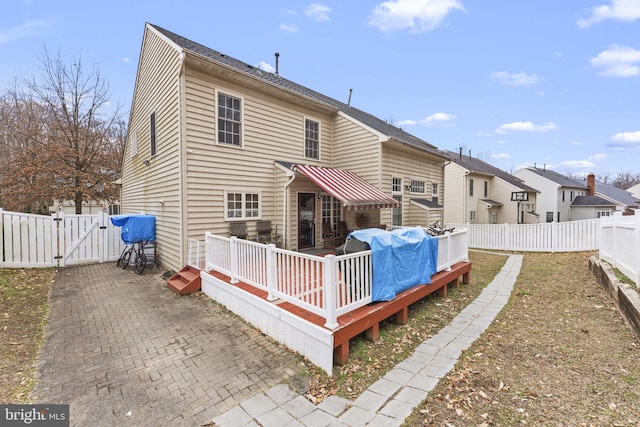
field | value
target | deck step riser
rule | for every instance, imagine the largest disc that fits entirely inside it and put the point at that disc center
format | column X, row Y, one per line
column 185, row 281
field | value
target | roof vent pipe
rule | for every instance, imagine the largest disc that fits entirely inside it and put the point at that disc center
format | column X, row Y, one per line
column 277, row 71
column 461, row 153
column 349, row 101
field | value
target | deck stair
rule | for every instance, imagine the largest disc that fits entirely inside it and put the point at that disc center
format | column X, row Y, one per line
column 185, row 281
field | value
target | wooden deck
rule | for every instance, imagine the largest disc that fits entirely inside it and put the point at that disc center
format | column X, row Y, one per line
column 367, row 319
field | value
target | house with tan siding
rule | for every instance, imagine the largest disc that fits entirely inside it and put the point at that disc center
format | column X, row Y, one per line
column 214, row 141
column 480, row 193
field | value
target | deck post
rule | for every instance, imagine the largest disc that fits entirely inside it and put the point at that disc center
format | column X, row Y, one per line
column 233, row 259
column 449, row 250
column 271, row 272
column 329, row 290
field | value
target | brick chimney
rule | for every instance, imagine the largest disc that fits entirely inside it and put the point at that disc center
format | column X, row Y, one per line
column 591, row 183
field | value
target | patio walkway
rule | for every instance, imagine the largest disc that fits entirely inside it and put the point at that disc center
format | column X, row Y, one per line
column 390, row 400
column 123, row 350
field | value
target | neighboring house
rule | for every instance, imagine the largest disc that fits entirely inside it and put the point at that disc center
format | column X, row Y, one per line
column 214, row 141
column 635, row 191
column 479, row 193
column 557, row 192
column 93, row 207
column 603, row 200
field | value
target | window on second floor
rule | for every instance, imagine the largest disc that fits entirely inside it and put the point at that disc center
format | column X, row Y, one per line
column 471, row 187
column 417, row 186
column 396, row 185
column 229, row 120
column 486, row 189
column 434, row 192
column 152, row 133
column 311, row 139
column 133, row 143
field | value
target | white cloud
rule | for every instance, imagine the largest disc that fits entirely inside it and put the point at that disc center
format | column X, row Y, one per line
column 526, row 127
column 574, row 164
column 407, row 122
column 417, row 16
column 318, row 12
column 432, row 120
column 289, row 28
column 266, row 67
column 515, row 79
column 598, row 157
column 126, row 59
column 437, row 118
column 618, row 10
column 27, row 29
column 618, row 61
column 625, row 140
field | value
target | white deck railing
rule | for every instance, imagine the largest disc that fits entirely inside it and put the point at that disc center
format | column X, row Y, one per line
column 328, row 286
column 620, row 244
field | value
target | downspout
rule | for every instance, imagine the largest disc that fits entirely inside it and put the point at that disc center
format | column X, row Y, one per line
column 285, row 204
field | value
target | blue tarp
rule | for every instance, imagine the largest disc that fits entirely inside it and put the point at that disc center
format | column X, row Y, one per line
column 401, row 259
column 136, row 228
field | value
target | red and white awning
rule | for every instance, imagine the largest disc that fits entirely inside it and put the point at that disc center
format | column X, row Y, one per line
column 354, row 192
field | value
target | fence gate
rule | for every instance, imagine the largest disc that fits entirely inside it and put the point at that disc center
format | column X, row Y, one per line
column 58, row 240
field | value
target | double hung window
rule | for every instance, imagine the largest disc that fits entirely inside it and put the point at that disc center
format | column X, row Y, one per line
column 229, row 120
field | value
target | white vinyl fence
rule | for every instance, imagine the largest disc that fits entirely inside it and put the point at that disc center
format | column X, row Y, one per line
column 569, row 236
column 58, row 240
column 620, row 244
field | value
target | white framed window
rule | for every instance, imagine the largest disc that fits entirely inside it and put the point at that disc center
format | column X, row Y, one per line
column 242, row 205
column 229, row 109
column 133, row 143
column 472, row 216
column 417, row 186
column 434, row 192
column 396, row 185
column 311, row 139
column 396, row 191
column 601, row 213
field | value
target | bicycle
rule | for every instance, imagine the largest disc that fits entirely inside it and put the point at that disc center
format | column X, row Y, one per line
column 125, row 256
column 140, row 260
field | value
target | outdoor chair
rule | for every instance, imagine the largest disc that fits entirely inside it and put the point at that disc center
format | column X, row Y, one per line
column 329, row 236
column 343, row 231
column 238, row 229
column 263, row 229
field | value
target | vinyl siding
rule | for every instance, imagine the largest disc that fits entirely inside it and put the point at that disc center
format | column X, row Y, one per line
column 403, row 162
column 273, row 130
column 145, row 187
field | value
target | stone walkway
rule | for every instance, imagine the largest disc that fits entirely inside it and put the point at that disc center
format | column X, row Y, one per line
column 390, row 400
column 123, row 350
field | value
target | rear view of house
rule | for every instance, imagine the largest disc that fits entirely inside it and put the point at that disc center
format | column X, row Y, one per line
column 219, row 145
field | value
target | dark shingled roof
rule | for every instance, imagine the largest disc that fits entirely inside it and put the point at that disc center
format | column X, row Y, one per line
column 558, row 178
column 427, row 203
column 618, row 194
column 591, row 201
column 363, row 117
column 476, row 165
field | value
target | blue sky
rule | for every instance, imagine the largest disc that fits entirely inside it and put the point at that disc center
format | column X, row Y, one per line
column 517, row 83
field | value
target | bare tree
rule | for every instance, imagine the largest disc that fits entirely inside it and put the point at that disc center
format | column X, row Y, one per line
column 626, row 180
column 78, row 148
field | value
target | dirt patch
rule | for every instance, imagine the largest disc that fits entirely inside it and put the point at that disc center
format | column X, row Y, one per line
column 558, row 354
column 23, row 313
